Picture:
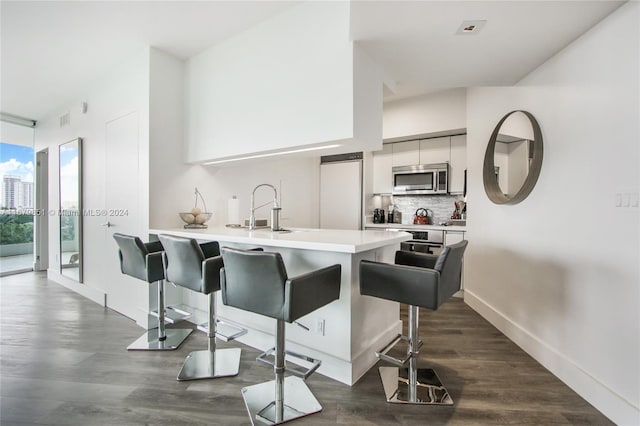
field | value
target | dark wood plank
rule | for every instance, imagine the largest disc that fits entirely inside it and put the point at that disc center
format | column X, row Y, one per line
column 64, row 362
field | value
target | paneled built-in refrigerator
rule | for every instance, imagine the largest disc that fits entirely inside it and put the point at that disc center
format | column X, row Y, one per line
column 341, row 191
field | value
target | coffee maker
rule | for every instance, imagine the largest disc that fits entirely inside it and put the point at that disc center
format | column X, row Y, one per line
column 378, row 216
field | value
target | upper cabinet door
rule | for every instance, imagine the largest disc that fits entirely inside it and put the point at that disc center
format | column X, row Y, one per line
column 382, row 164
column 406, row 153
column 435, row 150
column 458, row 163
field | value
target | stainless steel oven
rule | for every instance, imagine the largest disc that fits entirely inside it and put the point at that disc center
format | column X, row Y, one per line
column 424, row 241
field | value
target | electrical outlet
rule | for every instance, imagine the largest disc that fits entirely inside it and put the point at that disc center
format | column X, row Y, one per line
column 320, row 326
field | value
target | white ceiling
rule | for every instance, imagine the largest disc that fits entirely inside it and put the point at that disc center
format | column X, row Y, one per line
column 52, row 50
column 417, row 44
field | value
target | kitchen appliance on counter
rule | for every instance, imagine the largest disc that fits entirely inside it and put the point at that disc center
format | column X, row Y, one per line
column 423, row 217
column 395, row 215
column 378, row 216
column 430, row 242
column 420, row 179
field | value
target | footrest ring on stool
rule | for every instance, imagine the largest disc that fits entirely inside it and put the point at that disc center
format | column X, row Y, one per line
column 301, row 372
column 172, row 314
column 225, row 329
column 398, row 362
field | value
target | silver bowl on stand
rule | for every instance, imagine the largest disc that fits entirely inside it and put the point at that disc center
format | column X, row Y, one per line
column 195, row 221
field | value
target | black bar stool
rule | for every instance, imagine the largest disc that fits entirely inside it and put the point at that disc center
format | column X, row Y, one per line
column 197, row 267
column 144, row 262
column 419, row 280
column 258, row 282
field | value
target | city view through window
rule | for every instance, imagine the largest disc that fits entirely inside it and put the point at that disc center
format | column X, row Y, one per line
column 16, row 207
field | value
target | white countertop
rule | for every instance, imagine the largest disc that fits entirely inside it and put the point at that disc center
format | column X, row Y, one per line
column 452, row 228
column 333, row 240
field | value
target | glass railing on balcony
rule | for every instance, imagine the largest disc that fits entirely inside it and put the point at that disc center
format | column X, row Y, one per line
column 16, row 241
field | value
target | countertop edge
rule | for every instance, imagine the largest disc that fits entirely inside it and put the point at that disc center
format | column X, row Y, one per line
column 261, row 239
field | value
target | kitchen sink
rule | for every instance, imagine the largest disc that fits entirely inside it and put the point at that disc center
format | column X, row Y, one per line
column 267, row 230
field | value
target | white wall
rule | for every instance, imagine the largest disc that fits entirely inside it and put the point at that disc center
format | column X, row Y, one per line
column 297, row 182
column 168, row 172
column 120, row 91
column 287, row 82
column 172, row 181
column 558, row 273
column 435, row 112
column 367, row 102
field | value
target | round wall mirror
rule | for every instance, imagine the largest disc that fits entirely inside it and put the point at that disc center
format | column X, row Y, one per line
column 513, row 158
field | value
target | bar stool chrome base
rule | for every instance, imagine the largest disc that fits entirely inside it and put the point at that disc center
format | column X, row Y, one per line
column 429, row 390
column 149, row 340
column 298, row 401
column 210, row 364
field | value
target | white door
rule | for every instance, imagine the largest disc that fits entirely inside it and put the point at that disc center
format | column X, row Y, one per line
column 123, row 208
column 341, row 195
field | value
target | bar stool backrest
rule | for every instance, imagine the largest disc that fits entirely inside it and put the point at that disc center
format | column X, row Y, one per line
column 449, row 264
column 133, row 259
column 254, row 281
column 183, row 259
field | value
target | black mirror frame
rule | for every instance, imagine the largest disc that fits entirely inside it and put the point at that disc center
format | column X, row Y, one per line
column 491, row 186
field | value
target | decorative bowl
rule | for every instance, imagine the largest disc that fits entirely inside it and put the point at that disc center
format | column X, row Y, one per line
column 198, row 220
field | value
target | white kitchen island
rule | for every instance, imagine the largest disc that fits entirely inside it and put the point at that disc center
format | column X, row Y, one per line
column 343, row 334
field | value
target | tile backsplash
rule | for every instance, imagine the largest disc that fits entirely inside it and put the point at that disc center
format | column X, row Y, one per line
column 441, row 205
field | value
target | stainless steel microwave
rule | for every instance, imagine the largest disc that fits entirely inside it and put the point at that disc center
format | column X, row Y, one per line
column 421, row 179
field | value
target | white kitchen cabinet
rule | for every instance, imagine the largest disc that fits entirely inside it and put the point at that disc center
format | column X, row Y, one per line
column 382, row 164
column 447, row 149
column 458, row 163
column 406, row 153
column 452, row 237
column 435, row 150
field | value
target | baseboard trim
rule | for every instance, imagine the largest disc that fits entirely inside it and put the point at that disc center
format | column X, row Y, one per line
column 85, row 290
column 598, row 394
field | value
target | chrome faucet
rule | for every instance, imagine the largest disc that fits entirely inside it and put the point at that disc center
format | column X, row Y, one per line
column 275, row 211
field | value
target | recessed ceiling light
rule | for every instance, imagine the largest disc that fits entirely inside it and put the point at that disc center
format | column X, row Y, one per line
column 470, row 27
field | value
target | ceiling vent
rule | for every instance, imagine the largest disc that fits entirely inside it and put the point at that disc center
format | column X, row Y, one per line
column 470, row 27
column 65, row 119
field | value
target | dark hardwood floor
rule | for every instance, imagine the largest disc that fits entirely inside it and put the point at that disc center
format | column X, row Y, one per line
column 64, row 362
